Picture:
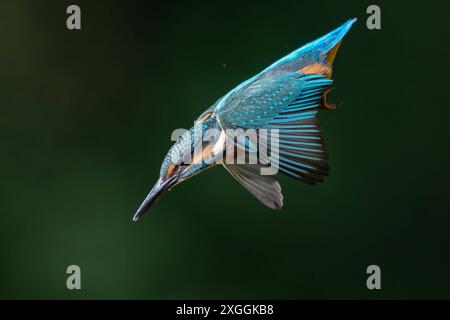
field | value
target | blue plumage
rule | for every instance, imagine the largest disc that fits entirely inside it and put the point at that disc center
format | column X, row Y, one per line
column 284, row 100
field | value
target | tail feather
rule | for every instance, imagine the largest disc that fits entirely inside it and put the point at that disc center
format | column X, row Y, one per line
column 315, row 57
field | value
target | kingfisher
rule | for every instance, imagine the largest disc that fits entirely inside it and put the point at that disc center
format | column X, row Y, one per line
column 284, row 100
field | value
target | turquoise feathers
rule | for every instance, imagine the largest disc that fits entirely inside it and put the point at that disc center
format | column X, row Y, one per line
column 281, row 102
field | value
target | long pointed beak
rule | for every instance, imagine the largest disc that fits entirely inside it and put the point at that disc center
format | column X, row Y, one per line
column 158, row 190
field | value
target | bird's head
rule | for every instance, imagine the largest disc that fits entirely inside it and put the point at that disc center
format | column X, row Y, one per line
column 193, row 152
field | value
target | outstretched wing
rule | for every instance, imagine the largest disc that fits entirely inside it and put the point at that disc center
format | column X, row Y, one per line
column 315, row 57
column 286, row 97
column 288, row 103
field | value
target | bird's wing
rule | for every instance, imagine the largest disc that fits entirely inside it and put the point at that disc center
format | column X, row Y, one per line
column 286, row 103
column 265, row 188
column 315, row 57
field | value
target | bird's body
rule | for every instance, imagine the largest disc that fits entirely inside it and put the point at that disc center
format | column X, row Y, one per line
column 282, row 102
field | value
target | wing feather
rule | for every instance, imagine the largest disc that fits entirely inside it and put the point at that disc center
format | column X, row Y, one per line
column 288, row 103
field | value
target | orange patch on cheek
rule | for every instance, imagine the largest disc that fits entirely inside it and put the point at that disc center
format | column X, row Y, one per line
column 206, row 116
column 171, row 170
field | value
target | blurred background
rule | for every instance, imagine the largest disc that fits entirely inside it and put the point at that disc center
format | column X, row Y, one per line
column 86, row 118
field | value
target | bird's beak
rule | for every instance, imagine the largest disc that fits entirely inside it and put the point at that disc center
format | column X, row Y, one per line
column 158, row 190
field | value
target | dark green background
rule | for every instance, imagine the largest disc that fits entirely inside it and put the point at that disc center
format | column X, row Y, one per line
column 86, row 118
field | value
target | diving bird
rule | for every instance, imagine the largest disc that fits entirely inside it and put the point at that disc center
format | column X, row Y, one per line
column 284, row 100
